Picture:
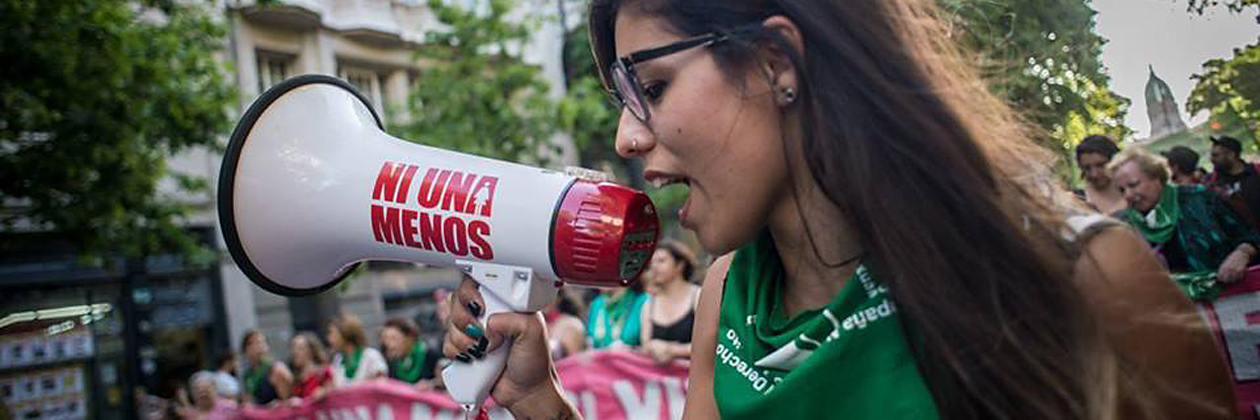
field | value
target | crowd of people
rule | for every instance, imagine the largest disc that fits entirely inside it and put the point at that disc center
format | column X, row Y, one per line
column 654, row 317
column 1202, row 225
column 891, row 244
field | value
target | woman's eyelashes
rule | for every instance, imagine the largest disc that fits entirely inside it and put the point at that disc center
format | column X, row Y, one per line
column 653, row 91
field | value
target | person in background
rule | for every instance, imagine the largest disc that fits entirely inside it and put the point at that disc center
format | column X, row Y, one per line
column 206, row 403
column 1092, row 155
column 265, row 380
column 671, row 310
column 566, row 335
column 310, row 363
column 1195, row 231
column 410, row 359
column 1236, row 181
column 1184, row 163
column 353, row 361
column 613, row 320
column 225, row 382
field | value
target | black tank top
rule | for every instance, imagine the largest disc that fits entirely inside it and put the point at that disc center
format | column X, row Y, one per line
column 680, row 330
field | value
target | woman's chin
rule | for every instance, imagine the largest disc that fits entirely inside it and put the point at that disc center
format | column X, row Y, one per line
column 714, row 244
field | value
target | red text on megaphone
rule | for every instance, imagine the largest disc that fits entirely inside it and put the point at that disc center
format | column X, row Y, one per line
column 450, row 213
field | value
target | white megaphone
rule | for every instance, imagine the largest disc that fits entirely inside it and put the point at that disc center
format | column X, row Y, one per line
column 311, row 186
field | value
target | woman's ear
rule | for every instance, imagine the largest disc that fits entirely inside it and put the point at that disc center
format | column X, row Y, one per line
column 776, row 60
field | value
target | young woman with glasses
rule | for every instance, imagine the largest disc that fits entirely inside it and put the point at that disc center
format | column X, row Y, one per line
column 892, row 246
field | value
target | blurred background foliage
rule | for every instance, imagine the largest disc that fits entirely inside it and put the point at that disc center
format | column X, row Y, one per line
column 94, row 96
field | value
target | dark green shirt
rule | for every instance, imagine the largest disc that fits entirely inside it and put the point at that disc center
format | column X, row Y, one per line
column 1207, row 231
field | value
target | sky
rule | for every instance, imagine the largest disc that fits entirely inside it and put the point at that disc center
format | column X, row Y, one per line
column 1163, row 34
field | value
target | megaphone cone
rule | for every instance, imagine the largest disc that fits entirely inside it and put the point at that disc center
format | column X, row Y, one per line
column 311, row 186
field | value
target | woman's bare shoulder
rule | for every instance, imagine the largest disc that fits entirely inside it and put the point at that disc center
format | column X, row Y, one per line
column 717, row 271
column 700, row 402
column 1115, row 262
column 1137, row 306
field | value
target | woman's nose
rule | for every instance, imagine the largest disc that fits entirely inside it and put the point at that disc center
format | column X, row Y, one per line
column 633, row 137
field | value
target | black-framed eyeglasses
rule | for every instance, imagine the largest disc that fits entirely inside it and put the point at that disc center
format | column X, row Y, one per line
column 625, row 88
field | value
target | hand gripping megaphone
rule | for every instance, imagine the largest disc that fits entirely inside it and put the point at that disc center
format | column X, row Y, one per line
column 311, row 186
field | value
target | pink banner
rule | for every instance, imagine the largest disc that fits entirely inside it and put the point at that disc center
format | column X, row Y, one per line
column 604, row 385
column 1235, row 321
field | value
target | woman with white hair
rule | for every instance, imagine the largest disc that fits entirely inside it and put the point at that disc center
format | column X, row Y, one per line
column 1202, row 240
column 206, row 403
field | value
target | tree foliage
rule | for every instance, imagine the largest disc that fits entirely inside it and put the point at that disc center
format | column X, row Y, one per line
column 94, row 95
column 586, row 112
column 476, row 94
column 1043, row 57
column 1199, row 6
column 1230, row 87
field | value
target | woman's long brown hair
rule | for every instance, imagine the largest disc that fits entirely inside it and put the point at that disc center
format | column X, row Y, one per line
column 943, row 186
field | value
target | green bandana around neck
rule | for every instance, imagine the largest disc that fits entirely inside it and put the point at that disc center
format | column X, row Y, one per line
column 410, row 367
column 848, row 359
column 611, row 323
column 1158, row 224
column 351, row 364
column 255, row 375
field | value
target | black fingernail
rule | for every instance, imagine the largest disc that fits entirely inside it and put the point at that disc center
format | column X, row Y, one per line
column 474, row 308
column 482, row 344
column 463, row 358
column 476, row 353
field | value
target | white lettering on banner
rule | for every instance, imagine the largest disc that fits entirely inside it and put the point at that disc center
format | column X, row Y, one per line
column 384, row 412
column 1239, row 318
column 586, row 404
column 674, row 397
column 591, row 410
column 609, row 385
column 635, row 408
column 420, row 411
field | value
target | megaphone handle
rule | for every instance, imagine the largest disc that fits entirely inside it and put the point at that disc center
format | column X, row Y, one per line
column 469, row 383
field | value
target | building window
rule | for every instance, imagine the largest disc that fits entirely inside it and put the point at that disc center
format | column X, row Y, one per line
column 368, row 82
column 272, row 69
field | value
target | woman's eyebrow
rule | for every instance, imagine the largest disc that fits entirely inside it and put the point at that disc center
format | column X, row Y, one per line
column 653, row 69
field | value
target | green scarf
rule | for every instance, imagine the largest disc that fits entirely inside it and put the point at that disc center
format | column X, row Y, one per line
column 1158, row 224
column 255, row 375
column 410, row 368
column 351, row 364
column 616, row 319
column 1199, row 285
column 848, row 359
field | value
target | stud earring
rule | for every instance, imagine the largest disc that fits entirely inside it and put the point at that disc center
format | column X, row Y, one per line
column 787, row 95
